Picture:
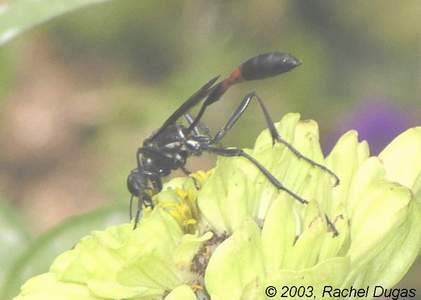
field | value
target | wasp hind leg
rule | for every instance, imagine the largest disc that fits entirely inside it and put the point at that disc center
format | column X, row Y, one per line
column 239, row 152
column 272, row 129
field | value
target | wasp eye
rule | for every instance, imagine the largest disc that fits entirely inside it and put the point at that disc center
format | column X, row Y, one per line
column 134, row 182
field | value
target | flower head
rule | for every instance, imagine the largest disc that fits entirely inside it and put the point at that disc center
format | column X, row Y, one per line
column 229, row 233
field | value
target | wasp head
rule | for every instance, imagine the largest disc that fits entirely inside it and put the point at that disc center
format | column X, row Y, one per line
column 136, row 182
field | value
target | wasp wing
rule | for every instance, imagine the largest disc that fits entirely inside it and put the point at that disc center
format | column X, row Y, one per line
column 194, row 99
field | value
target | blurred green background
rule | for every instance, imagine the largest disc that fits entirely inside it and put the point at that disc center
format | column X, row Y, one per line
column 79, row 93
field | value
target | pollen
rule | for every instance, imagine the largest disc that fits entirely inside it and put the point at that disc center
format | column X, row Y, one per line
column 182, row 204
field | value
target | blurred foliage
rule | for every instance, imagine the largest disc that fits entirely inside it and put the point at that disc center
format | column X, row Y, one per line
column 14, row 239
column 111, row 73
column 20, row 15
column 177, row 47
column 6, row 71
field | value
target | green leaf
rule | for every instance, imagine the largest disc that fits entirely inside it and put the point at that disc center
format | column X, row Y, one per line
column 19, row 15
column 40, row 254
column 13, row 239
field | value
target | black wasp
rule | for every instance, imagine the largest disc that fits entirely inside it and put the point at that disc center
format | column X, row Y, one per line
column 169, row 147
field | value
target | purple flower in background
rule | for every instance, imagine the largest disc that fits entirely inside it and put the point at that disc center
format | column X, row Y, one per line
column 377, row 121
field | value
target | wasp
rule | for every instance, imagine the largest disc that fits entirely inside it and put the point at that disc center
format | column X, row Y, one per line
column 169, row 147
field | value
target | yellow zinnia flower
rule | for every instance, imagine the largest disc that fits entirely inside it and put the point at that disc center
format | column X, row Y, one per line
column 230, row 234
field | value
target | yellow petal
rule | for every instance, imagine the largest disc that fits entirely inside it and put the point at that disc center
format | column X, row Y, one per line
column 402, row 159
column 182, row 292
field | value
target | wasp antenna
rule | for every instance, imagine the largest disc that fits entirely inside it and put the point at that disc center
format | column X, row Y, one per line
column 268, row 65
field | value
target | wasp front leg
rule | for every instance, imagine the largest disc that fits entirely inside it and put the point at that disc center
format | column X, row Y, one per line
column 143, row 199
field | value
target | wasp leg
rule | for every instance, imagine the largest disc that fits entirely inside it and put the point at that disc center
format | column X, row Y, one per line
column 200, row 128
column 331, row 226
column 272, row 129
column 143, row 199
column 188, row 173
column 137, row 215
column 185, row 171
column 239, row 152
column 131, row 208
column 157, row 183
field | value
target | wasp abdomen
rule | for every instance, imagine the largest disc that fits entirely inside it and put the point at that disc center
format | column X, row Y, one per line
column 267, row 65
